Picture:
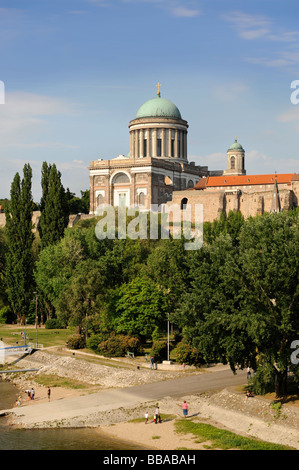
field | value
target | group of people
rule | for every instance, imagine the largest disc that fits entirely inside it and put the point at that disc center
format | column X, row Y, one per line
column 157, row 416
column 30, row 394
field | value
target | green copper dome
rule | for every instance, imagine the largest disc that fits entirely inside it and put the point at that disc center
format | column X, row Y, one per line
column 236, row 146
column 158, row 107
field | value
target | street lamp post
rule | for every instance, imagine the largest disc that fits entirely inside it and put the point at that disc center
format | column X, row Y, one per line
column 168, row 337
column 36, row 319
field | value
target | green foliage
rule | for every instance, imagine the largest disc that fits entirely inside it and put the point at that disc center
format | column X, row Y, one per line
column 188, row 354
column 6, row 315
column 53, row 323
column 223, row 439
column 54, row 207
column 244, row 297
column 140, row 306
column 19, row 240
column 159, row 351
column 95, row 339
column 76, row 342
column 78, row 205
column 119, row 345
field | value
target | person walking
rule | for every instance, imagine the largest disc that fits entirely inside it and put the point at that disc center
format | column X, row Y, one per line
column 146, row 417
column 49, row 393
column 157, row 415
column 32, row 393
column 151, row 362
column 248, row 373
column 185, row 409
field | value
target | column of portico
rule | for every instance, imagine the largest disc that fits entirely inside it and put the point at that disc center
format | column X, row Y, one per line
column 148, row 142
column 182, row 144
column 136, row 139
column 185, row 145
column 169, row 142
column 140, row 143
column 132, row 144
column 176, row 143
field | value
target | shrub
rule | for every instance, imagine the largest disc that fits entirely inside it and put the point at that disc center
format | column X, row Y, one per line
column 159, row 351
column 6, row 315
column 94, row 340
column 118, row 345
column 186, row 353
column 76, row 342
column 53, row 324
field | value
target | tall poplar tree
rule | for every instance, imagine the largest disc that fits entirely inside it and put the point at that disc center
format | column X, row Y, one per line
column 19, row 239
column 54, row 207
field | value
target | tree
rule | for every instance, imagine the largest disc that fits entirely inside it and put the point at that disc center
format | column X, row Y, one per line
column 54, row 270
column 78, row 303
column 139, row 307
column 243, row 303
column 54, row 208
column 19, row 239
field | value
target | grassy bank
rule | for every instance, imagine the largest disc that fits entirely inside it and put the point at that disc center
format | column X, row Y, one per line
column 223, row 439
column 12, row 334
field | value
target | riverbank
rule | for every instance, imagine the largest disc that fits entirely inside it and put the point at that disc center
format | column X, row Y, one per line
column 112, row 398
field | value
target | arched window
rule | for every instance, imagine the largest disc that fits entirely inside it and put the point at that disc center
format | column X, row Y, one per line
column 232, row 163
column 120, row 178
column 184, row 202
column 100, row 199
column 141, row 199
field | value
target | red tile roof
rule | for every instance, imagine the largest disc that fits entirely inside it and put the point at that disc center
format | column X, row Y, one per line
column 244, row 180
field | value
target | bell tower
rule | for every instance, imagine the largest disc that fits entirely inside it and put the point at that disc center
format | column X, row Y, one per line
column 235, row 160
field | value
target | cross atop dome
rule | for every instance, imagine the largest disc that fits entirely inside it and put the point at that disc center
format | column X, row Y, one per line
column 158, row 86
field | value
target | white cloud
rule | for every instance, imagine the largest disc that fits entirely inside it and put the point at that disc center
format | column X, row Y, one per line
column 249, row 26
column 290, row 116
column 229, row 91
column 252, row 27
column 23, row 118
column 183, row 12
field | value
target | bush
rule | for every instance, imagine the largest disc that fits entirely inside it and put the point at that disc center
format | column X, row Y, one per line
column 76, row 342
column 53, row 324
column 118, row 345
column 159, row 351
column 6, row 315
column 94, row 340
column 186, row 353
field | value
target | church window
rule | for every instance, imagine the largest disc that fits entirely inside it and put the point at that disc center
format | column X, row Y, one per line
column 233, row 163
column 184, row 202
column 120, row 178
column 100, row 199
column 141, row 199
column 159, row 147
column 172, row 147
column 145, row 147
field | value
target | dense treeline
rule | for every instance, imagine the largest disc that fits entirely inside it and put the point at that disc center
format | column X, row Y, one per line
column 235, row 300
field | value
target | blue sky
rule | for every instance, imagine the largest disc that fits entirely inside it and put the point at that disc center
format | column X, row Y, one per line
column 76, row 72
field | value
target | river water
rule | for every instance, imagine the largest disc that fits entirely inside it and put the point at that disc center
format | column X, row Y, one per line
column 50, row 439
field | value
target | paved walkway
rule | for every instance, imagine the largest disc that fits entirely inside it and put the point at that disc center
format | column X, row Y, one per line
column 87, row 405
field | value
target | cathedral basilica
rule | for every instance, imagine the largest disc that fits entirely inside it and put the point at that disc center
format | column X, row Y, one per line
column 157, row 171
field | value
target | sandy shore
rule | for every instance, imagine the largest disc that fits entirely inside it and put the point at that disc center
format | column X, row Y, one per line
column 160, row 436
column 105, row 406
